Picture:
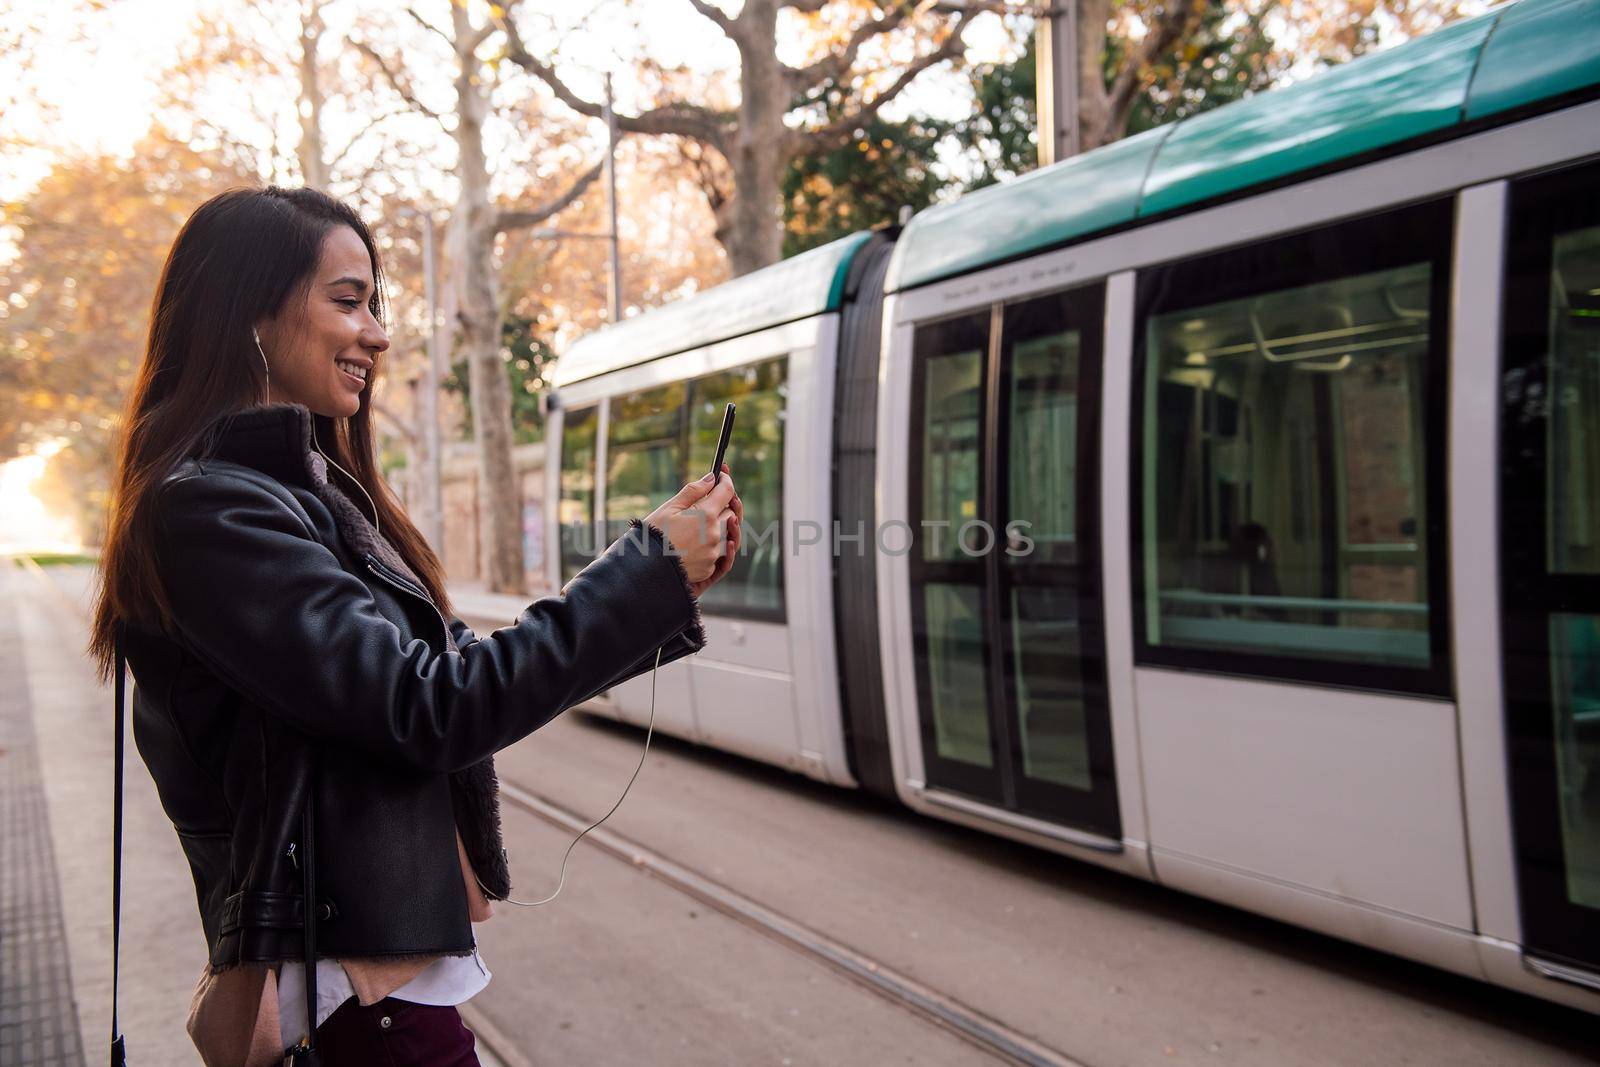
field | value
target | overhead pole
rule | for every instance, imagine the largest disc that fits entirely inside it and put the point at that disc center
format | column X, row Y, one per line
column 1056, row 80
column 432, row 380
column 614, row 287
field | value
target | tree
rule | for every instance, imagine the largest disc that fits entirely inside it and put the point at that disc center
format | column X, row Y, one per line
column 785, row 112
column 528, row 359
column 1145, row 63
column 862, row 184
column 1001, row 133
column 75, row 301
column 474, row 299
column 1227, row 54
column 665, row 238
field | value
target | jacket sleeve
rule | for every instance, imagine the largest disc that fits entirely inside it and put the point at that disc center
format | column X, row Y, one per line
column 461, row 632
column 270, row 610
column 687, row 642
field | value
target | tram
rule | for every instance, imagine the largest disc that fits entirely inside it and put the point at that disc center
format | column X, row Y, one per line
column 1221, row 506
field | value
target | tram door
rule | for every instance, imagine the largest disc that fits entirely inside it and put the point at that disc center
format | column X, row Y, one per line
column 1004, row 561
column 1550, row 544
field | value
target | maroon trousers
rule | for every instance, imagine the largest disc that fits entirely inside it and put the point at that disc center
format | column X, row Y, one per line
column 395, row 1033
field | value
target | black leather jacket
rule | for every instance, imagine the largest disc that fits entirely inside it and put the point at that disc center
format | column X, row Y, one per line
column 297, row 647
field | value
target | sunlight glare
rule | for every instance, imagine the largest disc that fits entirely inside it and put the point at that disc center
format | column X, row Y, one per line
column 25, row 524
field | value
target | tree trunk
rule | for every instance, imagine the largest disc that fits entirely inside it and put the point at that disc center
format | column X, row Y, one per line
column 313, row 169
column 1094, row 102
column 478, row 312
column 754, row 234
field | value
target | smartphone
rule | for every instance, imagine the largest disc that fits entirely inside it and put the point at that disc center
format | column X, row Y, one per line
column 722, row 443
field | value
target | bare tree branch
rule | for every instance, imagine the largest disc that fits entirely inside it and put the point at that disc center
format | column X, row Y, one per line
column 398, row 81
column 992, row 7
column 825, row 138
column 835, row 65
column 727, row 23
column 517, row 220
column 351, row 143
column 805, row 7
column 396, row 423
column 1177, row 21
column 470, row 44
column 425, row 24
column 684, row 120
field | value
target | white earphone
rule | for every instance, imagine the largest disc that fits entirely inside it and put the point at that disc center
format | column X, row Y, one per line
column 356, row 482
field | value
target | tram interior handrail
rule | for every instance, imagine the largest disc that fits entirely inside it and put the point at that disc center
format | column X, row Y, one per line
column 1308, row 603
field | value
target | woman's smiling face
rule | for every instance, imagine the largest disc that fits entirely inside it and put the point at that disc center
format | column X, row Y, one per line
column 322, row 355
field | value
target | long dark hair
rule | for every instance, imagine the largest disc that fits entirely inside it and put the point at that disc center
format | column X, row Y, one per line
column 241, row 257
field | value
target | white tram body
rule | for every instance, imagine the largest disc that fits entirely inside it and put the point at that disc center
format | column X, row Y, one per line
column 1262, row 385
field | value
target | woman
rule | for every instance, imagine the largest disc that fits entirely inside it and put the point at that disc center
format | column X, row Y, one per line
column 291, row 637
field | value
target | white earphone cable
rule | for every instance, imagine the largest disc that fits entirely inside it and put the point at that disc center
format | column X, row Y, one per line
column 268, row 369
column 649, row 731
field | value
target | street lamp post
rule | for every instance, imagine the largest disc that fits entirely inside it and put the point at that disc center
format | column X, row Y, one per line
column 1056, row 77
column 614, row 290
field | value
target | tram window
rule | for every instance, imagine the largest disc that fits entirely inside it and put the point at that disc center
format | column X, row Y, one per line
column 958, row 698
column 1573, row 496
column 1285, row 502
column 952, row 398
column 1575, row 703
column 1044, row 443
column 760, row 390
column 644, row 454
column 575, row 513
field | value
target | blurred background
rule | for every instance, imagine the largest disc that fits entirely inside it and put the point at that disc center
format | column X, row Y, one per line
column 735, row 144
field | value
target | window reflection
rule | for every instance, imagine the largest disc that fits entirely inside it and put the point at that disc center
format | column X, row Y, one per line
column 1575, row 686
column 1044, row 443
column 1574, row 446
column 575, row 512
column 755, row 455
column 644, row 454
column 953, row 392
column 954, row 632
column 1283, row 480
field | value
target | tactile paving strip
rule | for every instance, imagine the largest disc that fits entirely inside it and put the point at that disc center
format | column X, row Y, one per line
column 38, row 1017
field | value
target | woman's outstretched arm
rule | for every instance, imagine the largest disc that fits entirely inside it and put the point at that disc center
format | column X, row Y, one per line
column 270, row 610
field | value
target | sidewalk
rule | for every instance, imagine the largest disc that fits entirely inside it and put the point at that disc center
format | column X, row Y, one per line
column 163, row 947
column 56, row 749
column 38, row 1019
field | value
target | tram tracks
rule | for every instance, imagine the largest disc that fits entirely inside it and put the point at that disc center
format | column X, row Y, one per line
column 968, row 1023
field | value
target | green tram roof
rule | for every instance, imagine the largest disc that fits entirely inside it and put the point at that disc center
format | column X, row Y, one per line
column 1511, row 57
column 795, row 288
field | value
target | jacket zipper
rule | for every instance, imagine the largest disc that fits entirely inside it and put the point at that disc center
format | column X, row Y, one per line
column 406, row 587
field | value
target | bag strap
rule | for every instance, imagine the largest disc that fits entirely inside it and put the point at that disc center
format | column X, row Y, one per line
column 119, row 1051
column 309, row 878
column 305, row 1053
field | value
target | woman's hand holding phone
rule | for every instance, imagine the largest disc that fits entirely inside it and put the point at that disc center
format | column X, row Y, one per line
column 702, row 523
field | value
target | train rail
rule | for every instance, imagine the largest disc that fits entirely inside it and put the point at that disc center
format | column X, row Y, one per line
column 983, row 1031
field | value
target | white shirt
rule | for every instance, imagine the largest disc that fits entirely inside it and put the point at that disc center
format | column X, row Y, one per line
column 447, row 980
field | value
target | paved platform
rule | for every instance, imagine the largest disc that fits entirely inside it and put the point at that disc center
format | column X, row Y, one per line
column 38, row 1017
